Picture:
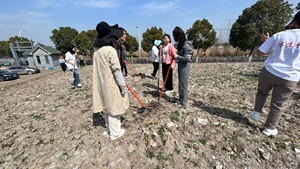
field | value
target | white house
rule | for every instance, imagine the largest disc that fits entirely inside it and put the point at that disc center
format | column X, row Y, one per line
column 42, row 57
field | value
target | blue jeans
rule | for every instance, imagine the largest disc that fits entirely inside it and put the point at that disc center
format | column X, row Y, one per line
column 76, row 77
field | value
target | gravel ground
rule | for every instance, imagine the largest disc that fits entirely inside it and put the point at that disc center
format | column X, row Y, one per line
column 46, row 124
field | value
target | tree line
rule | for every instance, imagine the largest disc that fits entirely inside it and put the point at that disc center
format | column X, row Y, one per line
column 245, row 33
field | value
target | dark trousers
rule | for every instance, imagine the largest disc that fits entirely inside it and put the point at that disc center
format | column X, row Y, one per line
column 155, row 68
column 81, row 63
column 63, row 67
column 123, row 67
column 169, row 83
column 282, row 91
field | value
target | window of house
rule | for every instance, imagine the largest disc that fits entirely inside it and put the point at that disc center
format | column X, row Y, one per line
column 47, row 59
column 38, row 59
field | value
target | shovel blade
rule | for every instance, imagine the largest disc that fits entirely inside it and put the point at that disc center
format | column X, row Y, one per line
column 141, row 110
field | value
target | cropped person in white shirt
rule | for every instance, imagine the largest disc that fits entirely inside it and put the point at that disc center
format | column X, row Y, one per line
column 281, row 73
column 72, row 66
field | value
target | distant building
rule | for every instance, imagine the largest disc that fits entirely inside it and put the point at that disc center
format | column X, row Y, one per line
column 42, row 57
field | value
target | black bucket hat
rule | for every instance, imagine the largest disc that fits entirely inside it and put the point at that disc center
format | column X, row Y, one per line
column 103, row 30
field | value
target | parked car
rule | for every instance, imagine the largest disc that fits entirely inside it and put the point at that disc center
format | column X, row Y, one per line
column 24, row 70
column 7, row 75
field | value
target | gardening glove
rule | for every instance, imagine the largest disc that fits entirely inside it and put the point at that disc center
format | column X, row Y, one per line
column 120, row 82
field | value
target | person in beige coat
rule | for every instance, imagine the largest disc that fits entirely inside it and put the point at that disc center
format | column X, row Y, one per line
column 109, row 89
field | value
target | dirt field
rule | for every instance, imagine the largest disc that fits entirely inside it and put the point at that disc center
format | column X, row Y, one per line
column 46, row 124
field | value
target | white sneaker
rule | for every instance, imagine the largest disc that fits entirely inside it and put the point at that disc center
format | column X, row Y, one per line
column 169, row 91
column 79, row 85
column 105, row 134
column 254, row 116
column 269, row 132
column 122, row 132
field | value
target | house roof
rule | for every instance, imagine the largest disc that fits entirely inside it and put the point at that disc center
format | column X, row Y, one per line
column 48, row 49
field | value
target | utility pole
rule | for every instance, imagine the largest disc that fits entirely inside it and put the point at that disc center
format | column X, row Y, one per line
column 20, row 33
column 228, row 27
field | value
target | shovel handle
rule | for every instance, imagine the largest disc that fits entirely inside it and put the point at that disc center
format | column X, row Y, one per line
column 135, row 95
column 130, row 67
column 166, row 78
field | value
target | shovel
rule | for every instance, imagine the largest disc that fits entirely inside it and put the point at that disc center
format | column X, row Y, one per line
column 143, row 108
column 130, row 67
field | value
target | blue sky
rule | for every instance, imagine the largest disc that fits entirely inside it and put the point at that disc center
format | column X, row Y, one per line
column 39, row 17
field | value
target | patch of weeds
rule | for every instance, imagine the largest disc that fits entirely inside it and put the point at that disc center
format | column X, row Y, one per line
column 190, row 143
column 31, row 128
column 238, row 135
column 203, row 141
column 157, row 167
column 13, row 151
column 146, row 137
column 213, row 147
column 153, row 137
column 150, row 153
column 37, row 117
column 174, row 116
column 57, row 106
column 242, row 80
column 51, row 141
column 280, row 146
column 234, row 156
column 253, row 78
column 284, row 116
column 40, row 142
column 162, row 157
column 7, row 145
column 161, row 133
column 177, row 113
column 195, row 164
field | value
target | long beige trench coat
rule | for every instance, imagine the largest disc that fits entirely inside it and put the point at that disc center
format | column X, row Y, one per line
column 106, row 93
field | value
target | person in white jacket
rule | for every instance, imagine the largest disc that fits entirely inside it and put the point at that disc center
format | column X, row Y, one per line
column 109, row 90
column 281, row 73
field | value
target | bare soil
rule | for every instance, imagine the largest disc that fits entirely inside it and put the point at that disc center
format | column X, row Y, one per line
column 46, row 124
